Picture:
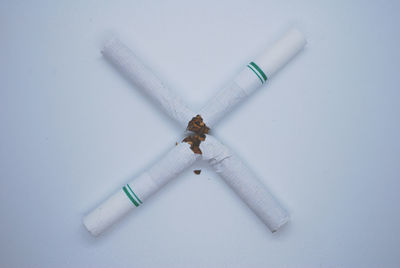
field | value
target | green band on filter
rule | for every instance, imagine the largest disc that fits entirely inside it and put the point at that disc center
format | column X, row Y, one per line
column 255, row 72
column 130, row 196
column 140, row 201
column 259, row 70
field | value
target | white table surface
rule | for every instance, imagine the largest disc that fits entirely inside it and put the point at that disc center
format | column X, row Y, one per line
column 323, row 134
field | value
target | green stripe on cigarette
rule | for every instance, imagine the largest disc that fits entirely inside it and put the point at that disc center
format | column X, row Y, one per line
column 130, row 197
column 259, row 70
column 140, row 201
column 255, row 72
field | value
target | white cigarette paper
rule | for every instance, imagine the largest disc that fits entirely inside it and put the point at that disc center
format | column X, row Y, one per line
column 249, row 188
column 133, row 194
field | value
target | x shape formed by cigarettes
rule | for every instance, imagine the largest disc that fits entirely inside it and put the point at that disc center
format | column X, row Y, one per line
column 199, row 144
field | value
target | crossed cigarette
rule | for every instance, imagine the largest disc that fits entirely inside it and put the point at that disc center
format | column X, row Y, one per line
column 199, row 144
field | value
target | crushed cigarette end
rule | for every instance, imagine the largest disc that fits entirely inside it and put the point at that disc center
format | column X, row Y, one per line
column 197, row 171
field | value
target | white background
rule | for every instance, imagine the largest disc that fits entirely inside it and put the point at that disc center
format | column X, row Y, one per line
column 323, row 134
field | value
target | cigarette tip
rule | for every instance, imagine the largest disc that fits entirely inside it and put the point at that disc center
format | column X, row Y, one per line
column 89, row 226
column 282, row 223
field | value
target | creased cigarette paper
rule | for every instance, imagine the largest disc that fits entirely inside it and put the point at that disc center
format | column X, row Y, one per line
column 133, row 194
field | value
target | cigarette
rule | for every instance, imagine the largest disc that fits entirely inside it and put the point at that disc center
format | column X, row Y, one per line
column 244, row 183
column 133, row 194
column 253, row 76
